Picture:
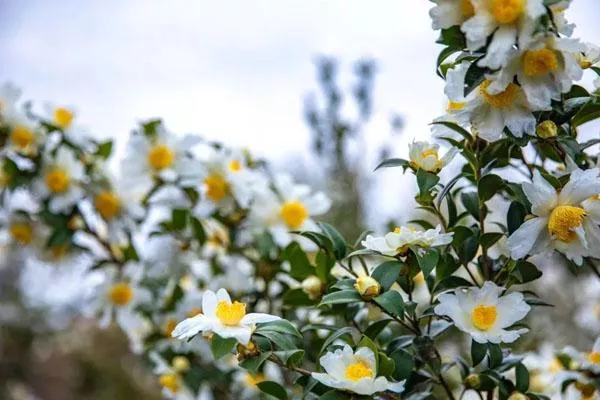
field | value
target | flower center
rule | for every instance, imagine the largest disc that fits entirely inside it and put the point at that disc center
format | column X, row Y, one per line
column 467, row 9
column 594, row 357
column 252, row 380
column 108, row 204
column 555, row 365
column 587, row 390
column 294, row 213
column 120, row 294
column 21, row 232
column 563, row 220
column 58, row 180
column 231, row 314
column 502, row 99
column 169, row 326
column 455, row 105
column 21, row 136
column 161, row 157
column 507, row 11
column 484, row 317
column 358, row 370
column 63, row 117
column 216, row 187
column 170, row 382
column 537, row 63
column 234, row 166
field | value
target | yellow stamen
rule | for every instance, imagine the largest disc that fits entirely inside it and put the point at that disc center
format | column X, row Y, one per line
column 484, row 317
column 467, row 9
column 108, row 204
column 63, row 117
column 358, row 370
column 216, row 187
column 120, row 294
column 252, row 380
column 537, row 63
column 234, row 166
column 507, row 11
column 230, row 314
column 170, row 382
column 502, row 99
column 160, row 157
column 294, row 213
column 22, row 137
column 555, row 365
column 169, row 326
column 455, row 105
column 594, row 357
column 22, row 232
column 58, row 180
column 397, row 229
column 180, row 364
column 563, row 221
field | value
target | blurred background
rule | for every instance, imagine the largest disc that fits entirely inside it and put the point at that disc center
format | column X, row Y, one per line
column 324, row 89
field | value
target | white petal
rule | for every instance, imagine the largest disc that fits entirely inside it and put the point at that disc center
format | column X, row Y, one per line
column 222, row 295
column 327, row 380
column 241, row 333
column 258, row 318
column 524, row 238
column 502, row 44
column 209, row 303
column 581, row 185
column 511, row 308
column 366, row 354
column 541, row 194
column 333, row 365
column 191, row 326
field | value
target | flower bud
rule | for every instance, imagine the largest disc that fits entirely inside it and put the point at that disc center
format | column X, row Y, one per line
column 181, row 364
column 75, row 223
column 249, row 350
column 367, row 287
column 313, row 287
column 518, row 396
column 546, row 129
column 472, row 381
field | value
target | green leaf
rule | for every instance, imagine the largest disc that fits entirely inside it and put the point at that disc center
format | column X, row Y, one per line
column 471, row 202
column 368, row 343
column 198, row 231
column 515, row 216
column 427, row 259
column 105, row 149
column 478, row 352
column 297, row 297
column 488, row 186
column 341, row 297
column 522, row 378
column 179, row 218
column 335, row 395
column 495, row 353
column 426, row 180
column 589, row 112
column 589, row 143
column 393, row 162
column 375, row 328
column 59, row 237
column 290, row 357
column 273, row 388
column 253, row 364
column 339, row 243
column 221, row 346
column 300, row 267
column 386, row 365
column 281, row 326
column 488, row 239
column 452, row 37
column 456, row 128
column 451, row 282
column 391, row 302
column 404, row 364
column 334, row 336
column 283, row 342
column 474, row 77
column 526, row 272
column 386, row 273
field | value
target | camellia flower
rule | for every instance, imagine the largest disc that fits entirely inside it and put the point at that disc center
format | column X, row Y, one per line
column 586, row 361
column 560, row 21
column 448, row 13
column 162, row 155
column 397, row 242
column 223, row 317
column 24, row 137
column 289, row 209
column 9, row 96
column 543, row 366
column 506, row 20
column 590, row 56
column 354, row 372
column 483, row 313
column 17, row 226
column 488, row 112
column 170, row 377
column 425, row 156
column 61, row 180
column 64, row 118
column 561, row 219
column 545, row 69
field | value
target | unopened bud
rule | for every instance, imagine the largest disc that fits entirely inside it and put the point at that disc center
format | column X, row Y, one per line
column 472, row 381
column 181, row 364
column 547, row 129
column 313, row 287
column 76, row 223
column 367, row 287
column 249, row 350
column 518, row 396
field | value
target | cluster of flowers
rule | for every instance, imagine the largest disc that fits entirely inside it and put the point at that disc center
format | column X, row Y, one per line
column 194, row 235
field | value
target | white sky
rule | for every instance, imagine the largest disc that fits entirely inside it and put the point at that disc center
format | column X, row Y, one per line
column 234, row 71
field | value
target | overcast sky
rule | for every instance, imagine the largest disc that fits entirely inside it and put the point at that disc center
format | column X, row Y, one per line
column 235, row 71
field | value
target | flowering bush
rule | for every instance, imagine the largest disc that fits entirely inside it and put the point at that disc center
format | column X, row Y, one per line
column 221, row 275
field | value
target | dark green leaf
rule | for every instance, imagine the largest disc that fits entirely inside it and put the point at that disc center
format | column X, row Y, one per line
column 386, row 365
column 221, row 346
column 393, row 162
column 391, row 302
column 386, row 273
column 179, row 218
column 272, row 388
column 471, row 202
column 488, row 186
column 198, row 230
column 281, row 326
column 300, row 267
column 340, row 297
column 515, row 216
column 334, row 336
column 297, row 297
column 456, row 128
column 426, row 180
column 478, row 352
column 488, row 239
column 105, row 149
column 427, row 259
column 522, row 378
column 404, row 364
column 253, row 364
column 376, row 327
column 339, row 243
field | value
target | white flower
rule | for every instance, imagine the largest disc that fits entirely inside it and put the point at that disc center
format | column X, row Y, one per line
column 289, row 209
column 586, row 361
column 448, row 13
column 508, row 21
column 562, row 220
column 543, row 367
column 63, row 117
column 354, row 372
column 560, row 21
column 483, row 313
column 222, row 317
column 18, row 227
column 247, row 381
column 588, row 312
column 397, row 242
column 488, row 113
column 61, row 179
column 425, row 155
column 24, row 138
column 590, row 56
column 225, row 180
column 545, row 69
column 162, row 155
column 9, row 96
column 170, row 377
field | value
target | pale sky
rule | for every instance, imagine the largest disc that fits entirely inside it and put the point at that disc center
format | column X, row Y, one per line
column 233, row 71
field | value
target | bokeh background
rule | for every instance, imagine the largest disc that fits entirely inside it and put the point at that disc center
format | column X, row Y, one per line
column 324, row 89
